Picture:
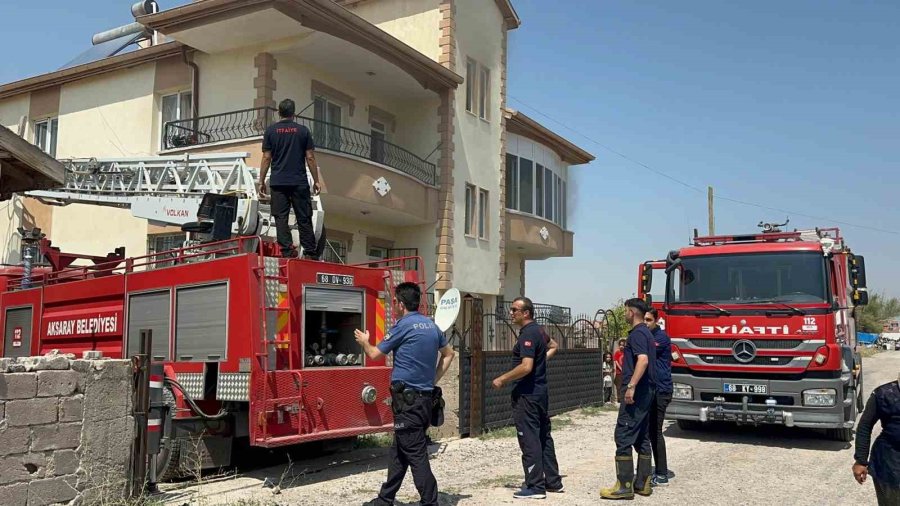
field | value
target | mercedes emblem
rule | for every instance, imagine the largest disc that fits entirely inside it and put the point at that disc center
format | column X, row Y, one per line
column 744, row 351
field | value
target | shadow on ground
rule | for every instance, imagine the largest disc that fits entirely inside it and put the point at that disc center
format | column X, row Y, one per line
column 444, row 499
column 775, row 436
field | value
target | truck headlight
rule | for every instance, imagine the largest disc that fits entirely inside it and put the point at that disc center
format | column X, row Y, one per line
column 682, row 391
column 819, row 397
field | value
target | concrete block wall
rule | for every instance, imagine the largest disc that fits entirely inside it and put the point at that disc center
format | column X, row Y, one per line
column 65, row 430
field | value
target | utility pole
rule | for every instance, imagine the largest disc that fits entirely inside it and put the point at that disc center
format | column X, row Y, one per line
column 712, row 219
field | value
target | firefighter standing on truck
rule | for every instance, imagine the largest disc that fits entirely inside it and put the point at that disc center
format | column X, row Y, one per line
column 415, row 341
column 531, row 403
column 639, row 378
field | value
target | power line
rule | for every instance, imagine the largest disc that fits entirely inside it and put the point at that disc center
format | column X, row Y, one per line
column 695, row 188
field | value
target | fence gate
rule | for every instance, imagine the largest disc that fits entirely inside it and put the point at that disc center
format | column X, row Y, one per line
column 575, row 374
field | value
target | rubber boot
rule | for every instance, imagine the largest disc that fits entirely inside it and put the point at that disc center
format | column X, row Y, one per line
column 623, row 489
column 642, row 484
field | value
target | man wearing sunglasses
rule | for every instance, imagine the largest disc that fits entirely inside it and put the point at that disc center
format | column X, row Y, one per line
column 531, row 403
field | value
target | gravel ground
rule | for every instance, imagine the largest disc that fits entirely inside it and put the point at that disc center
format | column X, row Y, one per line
column 721, row 465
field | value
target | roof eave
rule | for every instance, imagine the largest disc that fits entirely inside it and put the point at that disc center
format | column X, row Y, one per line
column 521, row 124
column 510, row 16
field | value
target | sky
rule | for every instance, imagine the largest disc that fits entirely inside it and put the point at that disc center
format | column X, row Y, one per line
column 792, row 106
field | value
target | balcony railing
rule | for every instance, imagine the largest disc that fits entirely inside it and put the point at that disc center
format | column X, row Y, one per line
column 247, row 123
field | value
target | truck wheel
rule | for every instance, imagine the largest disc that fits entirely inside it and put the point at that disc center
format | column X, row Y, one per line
column 843, row 435
column 169, row 457
column 688, row 424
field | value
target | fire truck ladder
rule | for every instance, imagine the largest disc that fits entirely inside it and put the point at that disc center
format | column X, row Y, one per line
column 282, row 383
column 165, row 189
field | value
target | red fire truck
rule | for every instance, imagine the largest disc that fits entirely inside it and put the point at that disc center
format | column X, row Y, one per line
column 763, row 328
column 256, row 349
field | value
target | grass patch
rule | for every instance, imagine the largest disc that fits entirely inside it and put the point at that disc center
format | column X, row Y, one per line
column 868, row 352
column 560, row 422
column 500, row 481
column 596, row 410
column 374, row 441
column 500, row 433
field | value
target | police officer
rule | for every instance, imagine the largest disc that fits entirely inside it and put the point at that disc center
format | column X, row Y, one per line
column 531, row 403
column 415, row 341
column 639, row 378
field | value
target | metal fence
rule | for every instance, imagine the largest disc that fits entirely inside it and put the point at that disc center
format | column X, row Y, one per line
column 246, row 123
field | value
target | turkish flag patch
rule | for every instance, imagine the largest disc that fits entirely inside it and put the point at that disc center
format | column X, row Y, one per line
column 528, row 343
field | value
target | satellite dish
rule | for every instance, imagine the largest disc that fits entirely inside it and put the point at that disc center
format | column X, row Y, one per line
column 447, row 309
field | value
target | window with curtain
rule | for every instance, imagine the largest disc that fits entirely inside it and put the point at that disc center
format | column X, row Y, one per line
column 470, row 210
column 526, row 185
column 483, row 209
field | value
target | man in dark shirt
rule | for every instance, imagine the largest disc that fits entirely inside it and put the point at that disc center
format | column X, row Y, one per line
column 531, row 405
column 288, row 149
column 884, row 462
column 416, row 342
column 639, row 378
column 662, row 398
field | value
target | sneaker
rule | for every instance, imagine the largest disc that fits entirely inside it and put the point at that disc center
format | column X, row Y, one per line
column 659, row 480
column 527, row 493
column 559, row 490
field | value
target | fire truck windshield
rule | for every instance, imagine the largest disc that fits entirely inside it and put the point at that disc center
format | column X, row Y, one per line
column 796, row 277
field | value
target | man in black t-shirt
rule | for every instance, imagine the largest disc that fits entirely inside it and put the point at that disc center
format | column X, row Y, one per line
column 288, row 148
column 632, row 426
column 531, row 403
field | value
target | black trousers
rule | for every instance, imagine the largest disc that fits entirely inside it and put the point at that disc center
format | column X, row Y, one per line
column 632, row 426
column 532, row 418
column 885, row 494
column 410, row 450
column 657, row 440
column 298, row 198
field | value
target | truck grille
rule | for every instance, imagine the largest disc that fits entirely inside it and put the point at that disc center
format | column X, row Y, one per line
column 782, row 400
column 761, row 344
column 758, row 361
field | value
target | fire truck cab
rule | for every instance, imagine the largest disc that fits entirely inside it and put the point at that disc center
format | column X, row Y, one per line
column 763, row 328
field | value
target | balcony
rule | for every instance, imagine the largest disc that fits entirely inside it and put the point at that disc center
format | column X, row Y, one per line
column 247, row 123
column 536, row 238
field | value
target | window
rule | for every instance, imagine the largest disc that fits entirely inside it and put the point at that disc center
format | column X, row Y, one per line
column 548, row 195
column 327, row 127
column 512, row 181
column 176, row 106
column 564, row 211
column 378, row 253
column 45, row 135
column 483, row 209
column 471, row 79
column 559, row 195
column 335, row 251
column 526, row 185
column 484, row 93
column 160, row 243
column 379, row 137
column 539, row 188
column 470, row 210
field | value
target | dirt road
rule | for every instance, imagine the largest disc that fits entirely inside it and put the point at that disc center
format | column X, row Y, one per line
column 726, row 465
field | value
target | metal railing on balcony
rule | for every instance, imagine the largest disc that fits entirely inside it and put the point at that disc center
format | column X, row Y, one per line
column 246, row 123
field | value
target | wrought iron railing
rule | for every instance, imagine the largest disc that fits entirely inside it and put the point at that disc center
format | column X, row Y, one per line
column 246, row 123
column 559, row 315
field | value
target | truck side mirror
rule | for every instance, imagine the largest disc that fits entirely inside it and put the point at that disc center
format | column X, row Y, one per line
column 646, row 282
column 858, row 280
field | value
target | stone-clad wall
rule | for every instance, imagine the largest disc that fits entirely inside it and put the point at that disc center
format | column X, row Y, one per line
column 65, row 430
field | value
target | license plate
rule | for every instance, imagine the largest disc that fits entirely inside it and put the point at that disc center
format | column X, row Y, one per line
column 744, row 388
column 334, row 279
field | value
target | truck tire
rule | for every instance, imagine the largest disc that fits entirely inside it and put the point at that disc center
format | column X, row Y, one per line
column 843, row 435
column 689, row 424
column 168, row 459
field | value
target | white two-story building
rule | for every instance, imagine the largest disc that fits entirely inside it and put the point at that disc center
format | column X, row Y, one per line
column 412, row 91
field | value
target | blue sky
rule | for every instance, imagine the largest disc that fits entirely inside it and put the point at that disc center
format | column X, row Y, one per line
column 790, row 105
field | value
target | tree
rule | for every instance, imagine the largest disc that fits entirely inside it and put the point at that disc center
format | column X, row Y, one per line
column 880, row 309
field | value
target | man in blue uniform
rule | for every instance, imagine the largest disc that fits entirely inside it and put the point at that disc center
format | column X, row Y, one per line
column 531, row 403
column 639, row 378
column 288, row 148
column 415, row 341
column 662, row 398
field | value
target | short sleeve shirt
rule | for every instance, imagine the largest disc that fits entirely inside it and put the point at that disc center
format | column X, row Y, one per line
column 415, row 341
column 531, row 343
column 288, row 141
column 663, row 360
column 640, row 342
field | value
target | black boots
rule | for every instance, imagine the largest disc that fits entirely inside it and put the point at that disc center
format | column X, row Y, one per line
column 623, row 489
column 642, row 482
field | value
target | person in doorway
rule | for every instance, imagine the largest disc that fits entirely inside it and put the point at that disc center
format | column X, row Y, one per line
column 607, row 377
column 530, row 401
column 662, row 398
column 288, row 149
column 416, row 343
column 884, row 462
column 639, row 377
column 618, row 355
